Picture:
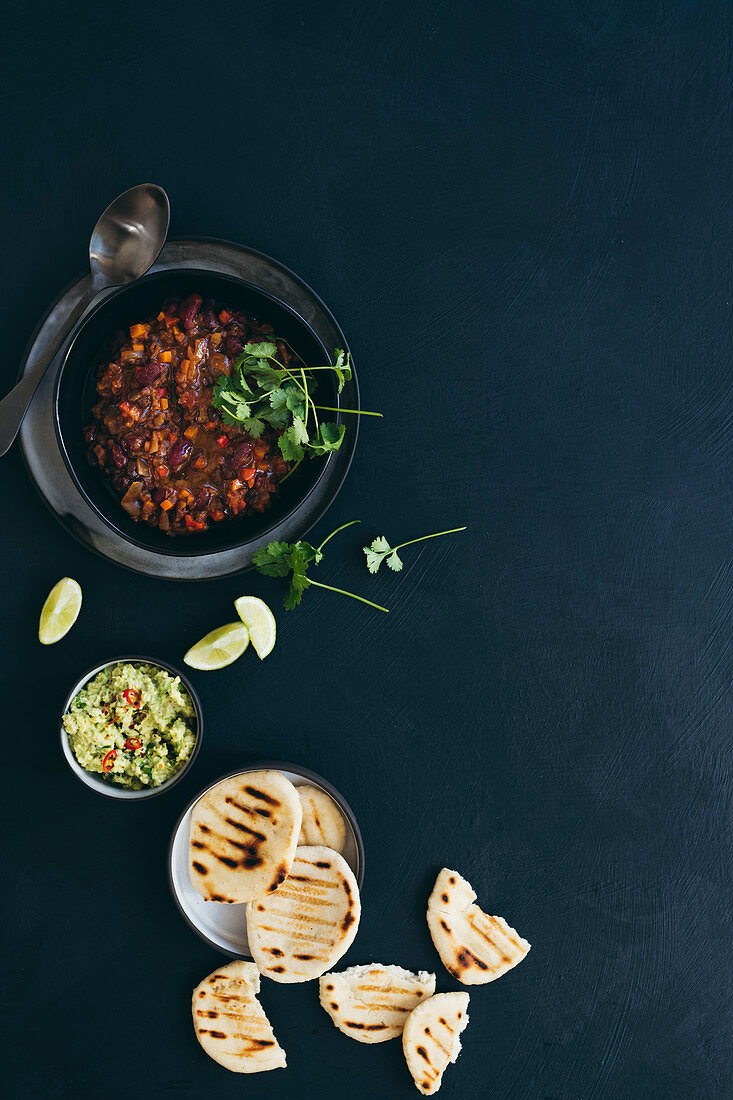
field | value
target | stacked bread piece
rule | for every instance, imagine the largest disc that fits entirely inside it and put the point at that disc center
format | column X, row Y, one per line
column 257, row 839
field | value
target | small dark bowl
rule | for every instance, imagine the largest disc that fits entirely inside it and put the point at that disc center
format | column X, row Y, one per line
column 92, row 779
column 76, row 394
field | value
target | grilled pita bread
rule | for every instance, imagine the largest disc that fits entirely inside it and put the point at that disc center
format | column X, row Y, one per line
column 322, row 820
column 474, row 947
column 244, row 833
column 431, row 1038
column 371, row 1003
column 230, row 1023
column 301, row 930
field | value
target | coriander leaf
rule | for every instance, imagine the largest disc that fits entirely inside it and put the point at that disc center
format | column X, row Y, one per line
column 278, row 418
column 394, row 561
column 298, row 431
column 253, row 426
column 342, row 367
column 295, row 401
column 328, row 439
column 274, row 559
column 279, row 399
column 262, row 351
column 376, row 553
column 290, row 449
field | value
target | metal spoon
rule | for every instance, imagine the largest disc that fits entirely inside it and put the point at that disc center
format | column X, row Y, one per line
column 125, row 243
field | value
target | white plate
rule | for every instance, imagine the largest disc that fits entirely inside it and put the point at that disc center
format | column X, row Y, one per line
column 224, row 927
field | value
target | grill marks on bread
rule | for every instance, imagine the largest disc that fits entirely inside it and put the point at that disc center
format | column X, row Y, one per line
column 230, row 1023
column 323, row 822
column 244, row 832
column 302, row 929
column 431, row 1038
column 474, row 947
column 371, row 1003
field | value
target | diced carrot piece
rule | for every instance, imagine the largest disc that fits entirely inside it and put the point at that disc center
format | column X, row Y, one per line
column 200, row 462
column 139, row 330
column 190, row 433
column 215, row 338
column 211, row 424
column 166, row 504
column 165, row 357
column 164, row 403
column 138, row 347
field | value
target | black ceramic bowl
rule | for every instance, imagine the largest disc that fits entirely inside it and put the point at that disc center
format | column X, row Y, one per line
column 76, row 394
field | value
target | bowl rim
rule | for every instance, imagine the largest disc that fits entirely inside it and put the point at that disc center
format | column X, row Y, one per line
column 269, row 765
column 177, row 551
column 119, row 793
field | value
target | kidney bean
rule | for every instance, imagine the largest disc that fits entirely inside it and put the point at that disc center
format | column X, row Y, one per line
column 148, row 373
column 159, row 495
column 180, row 452
column 189, row 309
column 118, row 455
column 243, row 454
column 203, row 497
column 208, row 318
column 233, row 345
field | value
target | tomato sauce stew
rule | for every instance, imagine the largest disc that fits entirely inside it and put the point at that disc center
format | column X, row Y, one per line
column 155, row 433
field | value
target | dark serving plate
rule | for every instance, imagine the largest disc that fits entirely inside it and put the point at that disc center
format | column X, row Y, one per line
column 75, row 394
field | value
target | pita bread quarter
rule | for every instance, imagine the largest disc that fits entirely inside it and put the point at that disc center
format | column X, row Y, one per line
column 371, row 1003
column 301, row 930
column 474, row 947
column 230, row 1023
column 323, row 822
column 431, row 1038
column 244, row 832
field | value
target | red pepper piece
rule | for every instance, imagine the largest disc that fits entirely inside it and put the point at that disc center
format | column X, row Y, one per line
column 225, row 317
column 108, row 760
column 194, row 524
column 133, row 743
column 248, row 474
column 132, row 696
column 223, row 440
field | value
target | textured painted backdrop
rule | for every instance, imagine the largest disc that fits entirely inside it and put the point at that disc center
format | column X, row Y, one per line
column 521, row 215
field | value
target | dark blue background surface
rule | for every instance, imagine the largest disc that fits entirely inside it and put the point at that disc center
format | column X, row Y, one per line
column 521, row 216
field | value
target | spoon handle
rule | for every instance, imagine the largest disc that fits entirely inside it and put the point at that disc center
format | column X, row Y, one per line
column 15, row 405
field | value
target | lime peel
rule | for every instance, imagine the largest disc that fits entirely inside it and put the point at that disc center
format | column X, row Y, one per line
column 218, row 648
column 260, row 622
column 60, row 611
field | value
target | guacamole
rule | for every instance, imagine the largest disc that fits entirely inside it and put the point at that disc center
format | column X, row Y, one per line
column 134, row 724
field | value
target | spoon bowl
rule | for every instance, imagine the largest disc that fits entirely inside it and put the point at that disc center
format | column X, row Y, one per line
column 129, row 235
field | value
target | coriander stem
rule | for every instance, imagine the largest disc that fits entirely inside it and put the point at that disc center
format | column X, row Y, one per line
column 341, row 528
column 423, row 537
column 343, row 591
column 359, row 412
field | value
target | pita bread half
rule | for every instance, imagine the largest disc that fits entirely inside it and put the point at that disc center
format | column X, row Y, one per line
column 244, row 832
column 301, row 930
column 474, row 947
column 371, row 1003
column 431, row 1039
column 323, row 822
column 230, row 1023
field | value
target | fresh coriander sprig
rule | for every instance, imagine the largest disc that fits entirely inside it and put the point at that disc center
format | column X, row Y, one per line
column 380, row 549
column 261, row 390
column 278, row 559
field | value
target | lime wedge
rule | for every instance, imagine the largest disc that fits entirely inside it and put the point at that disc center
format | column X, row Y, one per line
column 260, row 622
column 219, row 648
column 60, row 611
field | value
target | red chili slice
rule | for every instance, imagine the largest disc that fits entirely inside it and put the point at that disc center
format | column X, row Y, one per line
column 133, row 743
column 132, row 696
column 108, row 760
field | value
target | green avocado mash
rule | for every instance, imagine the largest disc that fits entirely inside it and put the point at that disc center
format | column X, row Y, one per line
column 132, row 723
